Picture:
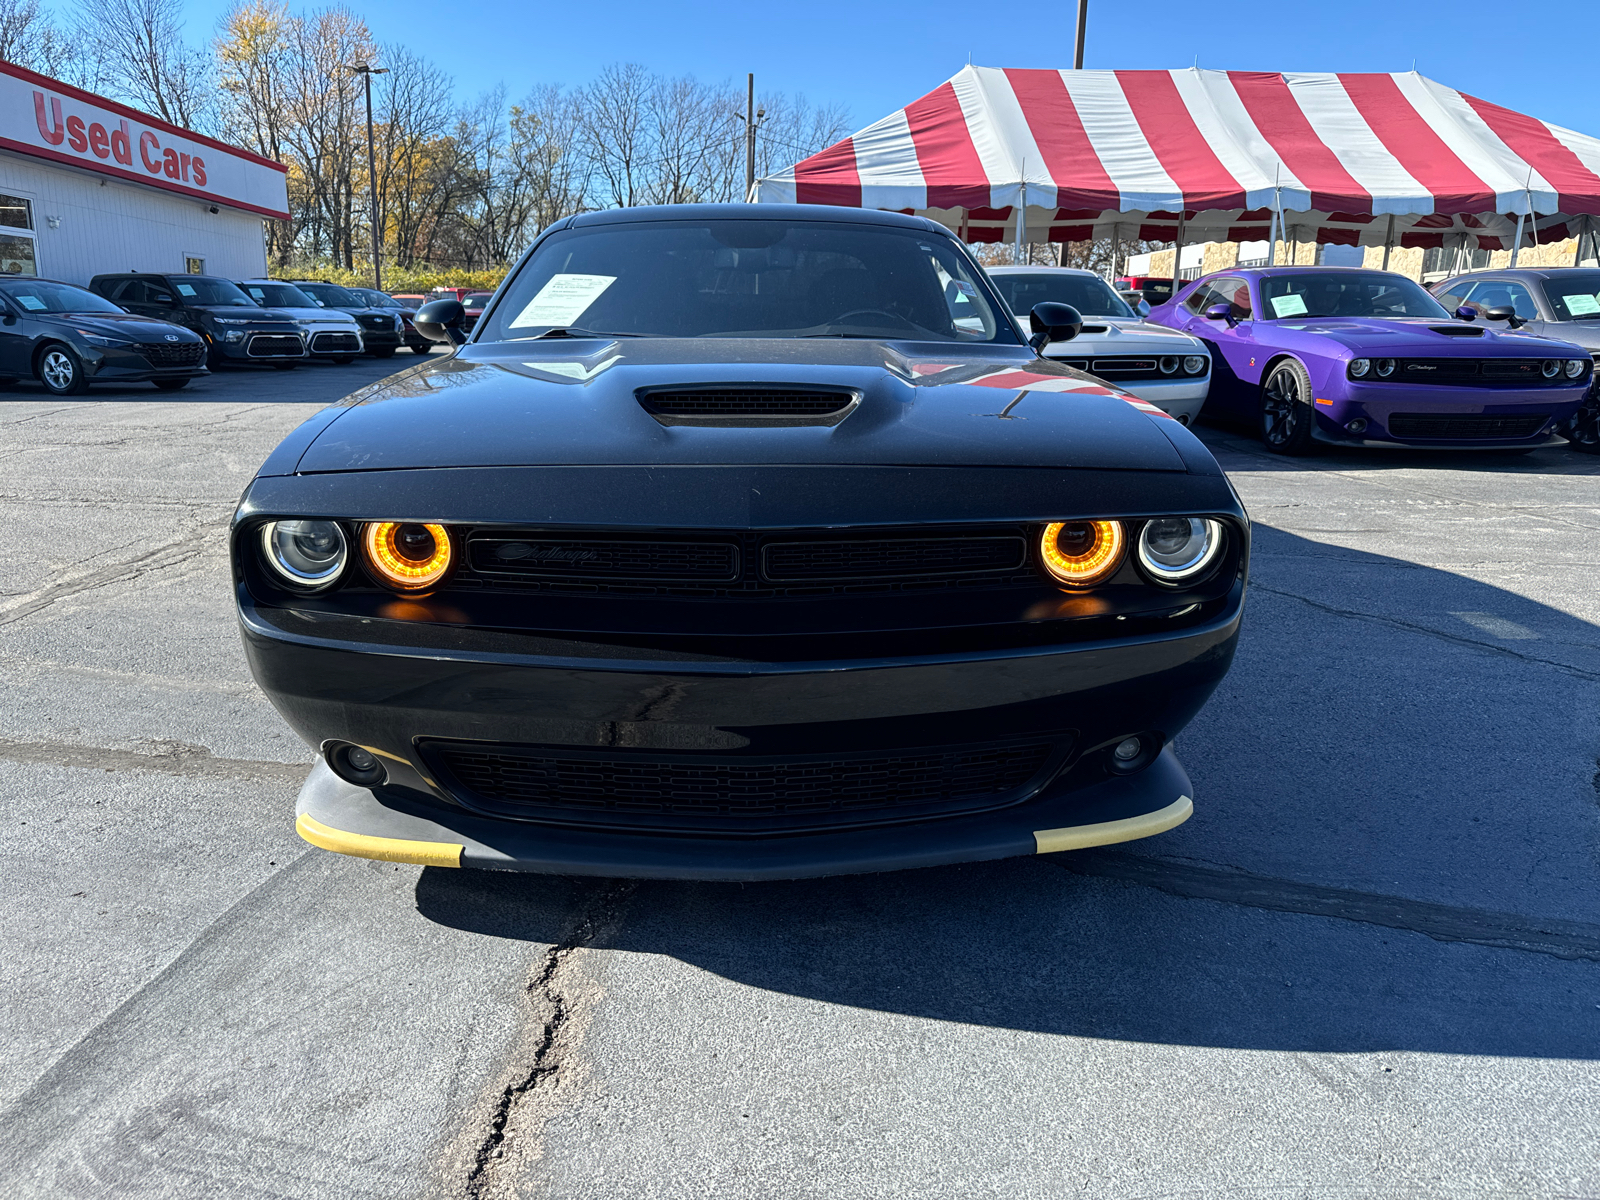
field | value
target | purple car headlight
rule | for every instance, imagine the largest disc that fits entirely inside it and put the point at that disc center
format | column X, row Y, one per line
column 1575, row 368
column 1359, row 367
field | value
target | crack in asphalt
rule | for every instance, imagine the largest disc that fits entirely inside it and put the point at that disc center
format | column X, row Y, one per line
column 167, row 757
column 1553, row 936
column 1412, row 627
column 160, row 558
column 555, row 999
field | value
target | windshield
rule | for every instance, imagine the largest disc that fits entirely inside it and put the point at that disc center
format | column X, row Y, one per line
column 219, row 292
column 38, row 297
column 1092, row 297
column 278, row 295
column 1346, row 294
column 375, row 299
column 328, row 295
column 750, row 278
column 1574, row 296
column 475, row 301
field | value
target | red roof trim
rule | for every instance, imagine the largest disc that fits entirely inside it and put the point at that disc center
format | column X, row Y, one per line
column 66, row 89
column 72, row 160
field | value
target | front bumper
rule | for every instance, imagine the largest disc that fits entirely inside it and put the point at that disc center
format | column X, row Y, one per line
column 381, row 339
column 266, row 344
column 1377, row 404
column 116, row 365
column 1182, row 399
column 334, row 343
column 392, row 686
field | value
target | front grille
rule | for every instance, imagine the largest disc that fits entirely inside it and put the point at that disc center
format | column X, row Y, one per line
column 1452, row 425
column 738, row 406
column 1488, row 372
column 377, row 322
column 1127, row 367
column 737, row 793
column 172, row 354
column 275, row 345
column 742, row 564
column 336, row 343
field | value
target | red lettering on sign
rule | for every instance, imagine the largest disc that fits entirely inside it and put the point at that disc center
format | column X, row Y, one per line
column 98, row 141
column 120, row 150
column 49, row 134
column 147, row 143
column 170, row 158
column 184, row 160
column 76, row 137
column 199, row 171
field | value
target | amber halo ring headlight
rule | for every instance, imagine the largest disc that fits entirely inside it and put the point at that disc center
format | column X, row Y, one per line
column 1080, row 553
column 307, row 556
column 406, row 555
column 1175, row 550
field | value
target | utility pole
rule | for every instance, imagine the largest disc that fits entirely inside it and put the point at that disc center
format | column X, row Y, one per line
column 1083, row 26
column 367, row 71
column 752, row 122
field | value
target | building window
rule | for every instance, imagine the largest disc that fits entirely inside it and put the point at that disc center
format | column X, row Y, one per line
column 16, row 237
column 193, row 265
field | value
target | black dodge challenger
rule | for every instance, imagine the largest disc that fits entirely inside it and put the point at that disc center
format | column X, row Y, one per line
column 739, row 542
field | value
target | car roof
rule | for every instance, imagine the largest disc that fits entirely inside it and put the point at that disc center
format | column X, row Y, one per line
column 1517, row 272
column 751, row 212
column 40, row 279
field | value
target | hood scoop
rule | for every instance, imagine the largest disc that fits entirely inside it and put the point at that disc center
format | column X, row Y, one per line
column 749, row 407
column 1456, row 330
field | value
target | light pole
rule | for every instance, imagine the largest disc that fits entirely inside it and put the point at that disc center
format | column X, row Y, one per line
column 752, row 122
column 367, row 71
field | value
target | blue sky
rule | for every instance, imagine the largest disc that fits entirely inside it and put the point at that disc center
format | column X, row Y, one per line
column 875, row 57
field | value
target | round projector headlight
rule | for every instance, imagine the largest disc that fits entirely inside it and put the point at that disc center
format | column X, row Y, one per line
column 1574, row 367
column 1169, row 365
column 1177, row 549
column 1078, row 553
column 1195, row 364
column 1385, row 367
column 1359, row 367
column 407, row 556
column 308, row 555
column 1551, row 368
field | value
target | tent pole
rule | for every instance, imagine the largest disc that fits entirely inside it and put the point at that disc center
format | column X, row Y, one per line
column 1516, row 245
column 1177, row 252
column 1272, row 230
column 1516, row 242
column 1388, row 241
column 1022, row 222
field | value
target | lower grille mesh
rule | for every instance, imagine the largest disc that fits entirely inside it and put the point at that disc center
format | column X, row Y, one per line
column 1469, row 426
column 748, row 793
column 180, row 354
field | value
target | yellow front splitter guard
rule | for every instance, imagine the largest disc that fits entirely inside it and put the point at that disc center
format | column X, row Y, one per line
column 1108, row 833
column 384, row 849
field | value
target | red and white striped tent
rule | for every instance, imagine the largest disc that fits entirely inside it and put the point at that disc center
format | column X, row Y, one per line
column 1348, row 159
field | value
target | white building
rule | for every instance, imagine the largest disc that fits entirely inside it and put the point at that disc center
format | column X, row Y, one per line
column 90, row 186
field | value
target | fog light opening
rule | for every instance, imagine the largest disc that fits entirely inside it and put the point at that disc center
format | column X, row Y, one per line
column 1359, row 425
column 1133, row 753
column 354, row 764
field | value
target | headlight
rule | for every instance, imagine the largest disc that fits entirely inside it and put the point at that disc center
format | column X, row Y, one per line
column 233, row 335
column 1195, row 364
column 1078, row 553
column 1385, row 367
column 1551, row 368
column 232, row 320
column 1575, row 367
column 409, row 557
column 308, row 555
column 1169, row 365
column 100, row 339
column 1359, row 367
column 1177, row 549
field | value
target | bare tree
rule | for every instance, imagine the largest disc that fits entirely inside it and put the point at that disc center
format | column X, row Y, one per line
column 138, row 50
column 615, row 132
column 29, row 38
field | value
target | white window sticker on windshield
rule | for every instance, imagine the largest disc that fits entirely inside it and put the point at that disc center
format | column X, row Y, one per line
column 563, row 300
column 185, row 289
column 1288, row 306
column 31, row 303
column 1582, row 306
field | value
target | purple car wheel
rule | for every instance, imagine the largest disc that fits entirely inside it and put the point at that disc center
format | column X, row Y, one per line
column 1582, row 428
column 1286, row 415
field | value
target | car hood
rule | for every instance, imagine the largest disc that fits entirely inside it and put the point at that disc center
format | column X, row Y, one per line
column 240, row 313
column 1113, row 335
column 336, row 317
column 123, row 325
column 572, row 401
column 1380, row 336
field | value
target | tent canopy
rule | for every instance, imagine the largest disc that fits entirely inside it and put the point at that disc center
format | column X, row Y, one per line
column 1087, row 154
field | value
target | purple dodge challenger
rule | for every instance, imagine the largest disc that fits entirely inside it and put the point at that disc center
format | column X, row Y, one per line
column 1368, row 358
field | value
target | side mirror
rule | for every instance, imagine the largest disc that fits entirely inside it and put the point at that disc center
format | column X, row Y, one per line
column 1221, row 312
column 441, row 321
column 1466, row 313
column 1504, row 312
column 162, row 298
column 1053, row 322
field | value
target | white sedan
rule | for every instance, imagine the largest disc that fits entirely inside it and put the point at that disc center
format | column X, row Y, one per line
column 1169, row 369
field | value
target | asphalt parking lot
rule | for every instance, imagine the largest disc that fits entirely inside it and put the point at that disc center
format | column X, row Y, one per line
column 1369, row 967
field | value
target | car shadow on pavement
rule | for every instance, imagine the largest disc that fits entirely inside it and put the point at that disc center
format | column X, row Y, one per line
column 1394, row 848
